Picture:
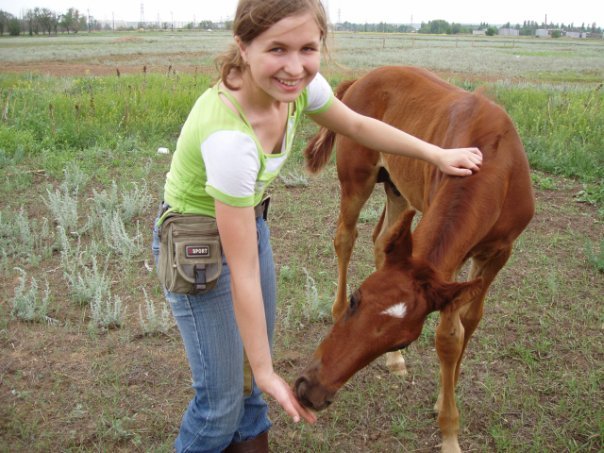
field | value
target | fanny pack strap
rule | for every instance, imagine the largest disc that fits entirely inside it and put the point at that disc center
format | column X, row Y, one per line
column 261, row 209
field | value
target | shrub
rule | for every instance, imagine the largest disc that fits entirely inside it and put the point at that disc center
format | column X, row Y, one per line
column 106, row 312
column 151, row 322
column 27, row 305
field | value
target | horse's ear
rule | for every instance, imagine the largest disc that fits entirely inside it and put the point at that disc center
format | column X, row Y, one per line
column 399, row 244
column 452, row 296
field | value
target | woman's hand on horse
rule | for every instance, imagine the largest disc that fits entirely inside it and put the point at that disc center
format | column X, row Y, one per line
column 459, row 161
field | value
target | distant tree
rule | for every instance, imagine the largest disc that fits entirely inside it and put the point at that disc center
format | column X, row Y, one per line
column 455, row 28
column 47, row 21
column 31, row 19
column 82, row 23
column 437, row 27
column 491, row 31
column 14, row 27
column 207, row 25
column 4, row 19
column 405, row 29
column 556, row 33
column 70, row 21
column 528, row 28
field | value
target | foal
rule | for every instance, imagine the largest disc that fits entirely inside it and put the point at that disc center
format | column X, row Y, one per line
column 476, row 217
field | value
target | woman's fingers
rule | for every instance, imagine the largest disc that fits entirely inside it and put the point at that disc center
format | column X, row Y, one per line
column 282, row 392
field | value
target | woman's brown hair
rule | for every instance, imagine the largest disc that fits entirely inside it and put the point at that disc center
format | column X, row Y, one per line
column 254, row 17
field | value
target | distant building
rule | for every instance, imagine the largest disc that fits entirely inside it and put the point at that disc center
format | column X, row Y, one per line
column 509, row 32
column 542, row 33
column 576, row 34
column 479, row 32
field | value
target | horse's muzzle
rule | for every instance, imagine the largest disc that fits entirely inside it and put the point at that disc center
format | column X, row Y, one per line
column 312, row 395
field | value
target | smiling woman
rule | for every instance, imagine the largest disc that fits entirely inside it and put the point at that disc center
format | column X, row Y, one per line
column 236, row 139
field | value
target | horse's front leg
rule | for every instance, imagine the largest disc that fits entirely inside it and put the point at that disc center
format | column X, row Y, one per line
column 346, row 234
column 355, row 191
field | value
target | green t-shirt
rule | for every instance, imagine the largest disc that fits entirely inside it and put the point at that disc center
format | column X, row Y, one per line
column 218, row 156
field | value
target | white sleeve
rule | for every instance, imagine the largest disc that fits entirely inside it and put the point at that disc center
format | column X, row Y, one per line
column 319, row 93
column 232, row 163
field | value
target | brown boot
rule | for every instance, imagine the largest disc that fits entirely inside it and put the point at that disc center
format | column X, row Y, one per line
column 256, row 445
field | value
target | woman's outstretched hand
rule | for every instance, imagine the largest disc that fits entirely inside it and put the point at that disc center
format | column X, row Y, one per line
column 459, row 161
column 275, row 386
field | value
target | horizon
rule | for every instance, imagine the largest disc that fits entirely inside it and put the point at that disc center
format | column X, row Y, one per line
column 466, row 12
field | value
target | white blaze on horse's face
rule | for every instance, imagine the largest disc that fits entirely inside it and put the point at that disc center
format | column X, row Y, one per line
column 396, row 311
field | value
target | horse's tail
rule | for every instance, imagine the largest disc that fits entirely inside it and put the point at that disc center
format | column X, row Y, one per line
column 318, row 151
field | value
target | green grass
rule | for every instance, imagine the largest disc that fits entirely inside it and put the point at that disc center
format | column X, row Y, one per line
column 78, row 113
column 531, row 380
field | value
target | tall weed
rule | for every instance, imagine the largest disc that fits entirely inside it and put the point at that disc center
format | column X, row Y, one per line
column 25, row 239
column 313, row 309
column 27, row 304
column 152, row 322
column 106, row 311
column 135, row 201
column 595, row 256
column 117, row 238
column 86, row 281
column 63, row 205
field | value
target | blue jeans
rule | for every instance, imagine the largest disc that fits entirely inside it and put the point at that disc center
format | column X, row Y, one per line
column 220, row 413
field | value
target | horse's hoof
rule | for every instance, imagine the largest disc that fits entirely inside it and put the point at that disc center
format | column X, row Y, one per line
column 401, row 373
column 398, row 369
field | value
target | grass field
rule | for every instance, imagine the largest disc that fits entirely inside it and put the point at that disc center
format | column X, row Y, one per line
column 89, row 357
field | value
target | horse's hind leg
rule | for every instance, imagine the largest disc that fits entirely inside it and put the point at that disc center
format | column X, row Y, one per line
column 395, row 205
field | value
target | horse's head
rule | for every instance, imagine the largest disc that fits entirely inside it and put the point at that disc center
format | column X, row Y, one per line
column 385, row 314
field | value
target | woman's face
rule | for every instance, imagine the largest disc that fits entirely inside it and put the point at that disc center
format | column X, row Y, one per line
column 284, row 59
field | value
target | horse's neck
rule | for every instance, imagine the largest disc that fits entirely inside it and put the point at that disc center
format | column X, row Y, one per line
column 445, row 234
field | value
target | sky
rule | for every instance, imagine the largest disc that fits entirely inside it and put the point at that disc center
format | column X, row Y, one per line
column 359, row 11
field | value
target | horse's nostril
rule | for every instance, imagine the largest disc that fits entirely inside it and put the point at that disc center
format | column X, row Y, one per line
column 300, row 386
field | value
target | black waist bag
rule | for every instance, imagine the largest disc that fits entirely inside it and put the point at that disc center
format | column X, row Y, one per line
column 190, row 255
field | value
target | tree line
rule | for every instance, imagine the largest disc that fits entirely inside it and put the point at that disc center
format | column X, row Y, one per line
column 44, row 21
column 527, row 28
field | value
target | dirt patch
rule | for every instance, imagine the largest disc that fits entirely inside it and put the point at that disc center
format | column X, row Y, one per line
column 128, row 39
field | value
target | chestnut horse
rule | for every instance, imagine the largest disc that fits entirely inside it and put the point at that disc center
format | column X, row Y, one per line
column 476, row 217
